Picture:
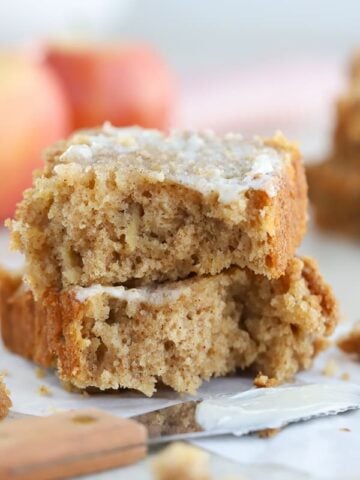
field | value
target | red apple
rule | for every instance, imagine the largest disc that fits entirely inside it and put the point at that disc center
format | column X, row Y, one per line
column 34, row 112
column 126, row 84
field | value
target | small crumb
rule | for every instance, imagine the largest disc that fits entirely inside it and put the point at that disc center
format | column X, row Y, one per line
column 345, row 376
column 263, row 381
column 51, row 409
column 40, row 372
column 321, row 344
column 331, row 368
column 344, row 429
column 84, row 393
column 44, row 391
column 268, row 432
column 181, row 461
column 69, row 387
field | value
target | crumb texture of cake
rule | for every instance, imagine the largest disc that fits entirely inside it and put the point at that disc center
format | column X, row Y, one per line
column 351, row 342
column 135, row 206
column 181, row 461
column 334, row 188
column 179, row 333
column 5, row 402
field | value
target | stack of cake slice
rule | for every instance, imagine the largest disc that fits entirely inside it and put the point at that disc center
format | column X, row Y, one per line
column 165, row 258
column 335, row 182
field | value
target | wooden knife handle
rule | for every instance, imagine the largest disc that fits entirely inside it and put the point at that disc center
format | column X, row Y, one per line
column 68, row 444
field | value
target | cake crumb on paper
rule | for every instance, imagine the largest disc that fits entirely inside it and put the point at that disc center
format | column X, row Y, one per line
column 331, row 368
column 345, row 429
column 44, row 391
column 181, row 461
column 69, row 387
column 268, row 432
column 40, row 372
column 345, row 376
column 263, row 381
column 51, row 409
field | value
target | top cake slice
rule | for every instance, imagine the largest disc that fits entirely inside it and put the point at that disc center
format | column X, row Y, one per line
column 116, row 205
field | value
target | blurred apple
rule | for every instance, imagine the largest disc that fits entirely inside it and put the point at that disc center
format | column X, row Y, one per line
column 34, row 112
column 126, row 84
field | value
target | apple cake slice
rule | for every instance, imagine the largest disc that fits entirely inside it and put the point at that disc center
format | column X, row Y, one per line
column 179, row 333
column 136, row 206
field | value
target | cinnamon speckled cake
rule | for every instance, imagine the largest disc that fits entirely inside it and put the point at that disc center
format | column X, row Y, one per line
column 179, row 333
column 136, row 206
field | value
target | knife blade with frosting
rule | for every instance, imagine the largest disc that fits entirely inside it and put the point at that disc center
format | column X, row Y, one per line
column 84, row 441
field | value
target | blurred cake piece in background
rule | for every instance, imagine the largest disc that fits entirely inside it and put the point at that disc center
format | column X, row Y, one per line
column 355, row 67
column 351, row 342
column 346, row 138
column 334, row 188
column 347, row 127
column 334, row 184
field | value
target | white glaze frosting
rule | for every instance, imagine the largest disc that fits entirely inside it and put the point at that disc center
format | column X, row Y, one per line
column 152, row 295
column 263, row 408
column 226, row 165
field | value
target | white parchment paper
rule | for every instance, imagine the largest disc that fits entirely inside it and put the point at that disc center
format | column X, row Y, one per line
column 327, row 448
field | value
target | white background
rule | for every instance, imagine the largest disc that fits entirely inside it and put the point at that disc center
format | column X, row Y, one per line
column 194, row 32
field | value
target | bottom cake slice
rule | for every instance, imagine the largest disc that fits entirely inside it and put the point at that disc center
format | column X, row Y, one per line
column 177, row 333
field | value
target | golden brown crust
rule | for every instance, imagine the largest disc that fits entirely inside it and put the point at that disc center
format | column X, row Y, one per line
column 233, row 320
column 9, row 283
column 290, row 212
column 5, row 402
column 334, row 189
column 323, row 291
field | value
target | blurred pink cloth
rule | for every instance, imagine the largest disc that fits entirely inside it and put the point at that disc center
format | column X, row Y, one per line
column 291, row 96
